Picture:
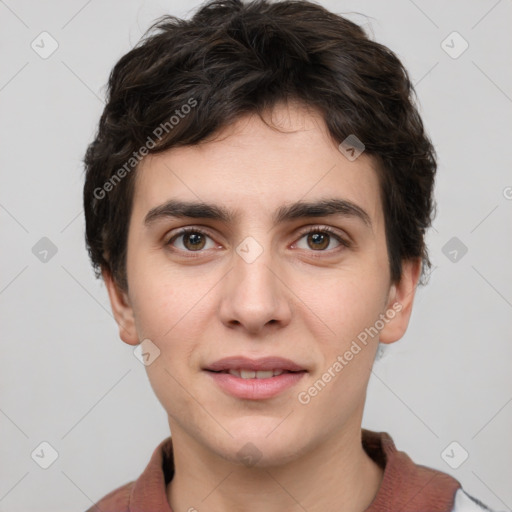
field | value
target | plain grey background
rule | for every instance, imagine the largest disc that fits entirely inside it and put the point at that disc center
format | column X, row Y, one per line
column 68, row 380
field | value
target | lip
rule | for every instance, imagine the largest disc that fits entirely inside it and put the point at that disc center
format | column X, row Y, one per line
column 255, row 389
column 263, row 363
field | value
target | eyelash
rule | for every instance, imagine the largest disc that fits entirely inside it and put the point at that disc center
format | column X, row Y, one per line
column 313, row 229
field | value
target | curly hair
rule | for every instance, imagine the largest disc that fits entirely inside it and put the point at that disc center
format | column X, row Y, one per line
column 234, row 58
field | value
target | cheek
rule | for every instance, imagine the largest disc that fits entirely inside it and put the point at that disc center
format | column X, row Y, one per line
column 339, row 385
column 170, row 308
column 171, row 388
column 165, row 314
column 348, row 305
column 163, row 296
column 350, row 308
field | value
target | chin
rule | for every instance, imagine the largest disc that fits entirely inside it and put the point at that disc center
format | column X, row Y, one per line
column 254, row 447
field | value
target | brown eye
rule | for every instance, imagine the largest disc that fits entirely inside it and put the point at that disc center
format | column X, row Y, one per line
column 320, row 238
column 191, row 240
column 194, row 241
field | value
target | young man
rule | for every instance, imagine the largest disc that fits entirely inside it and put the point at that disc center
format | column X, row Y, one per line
column 256, row 201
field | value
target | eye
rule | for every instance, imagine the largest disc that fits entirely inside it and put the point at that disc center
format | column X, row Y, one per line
column 319, row 238
column 193, row 240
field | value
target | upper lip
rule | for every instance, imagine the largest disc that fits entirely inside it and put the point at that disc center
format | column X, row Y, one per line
column 261, row 364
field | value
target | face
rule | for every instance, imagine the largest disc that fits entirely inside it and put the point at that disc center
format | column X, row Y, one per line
column 260, row 275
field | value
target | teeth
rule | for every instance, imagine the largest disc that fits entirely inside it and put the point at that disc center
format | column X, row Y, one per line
column 264, row 374
column 251, row 374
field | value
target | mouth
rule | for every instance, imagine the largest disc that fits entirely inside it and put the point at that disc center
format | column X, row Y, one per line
column 255, row 379
column 255, row 374
column 262, row 364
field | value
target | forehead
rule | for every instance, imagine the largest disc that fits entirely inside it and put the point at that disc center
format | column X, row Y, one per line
column 252, row 169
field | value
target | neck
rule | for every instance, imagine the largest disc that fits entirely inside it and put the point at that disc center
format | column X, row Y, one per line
column 336, row 475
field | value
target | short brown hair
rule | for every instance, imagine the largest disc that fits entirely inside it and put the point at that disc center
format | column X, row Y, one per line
column 234, row 58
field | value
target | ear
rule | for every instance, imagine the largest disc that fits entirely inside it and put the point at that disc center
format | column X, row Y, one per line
column 400, row 301
column 122, row 310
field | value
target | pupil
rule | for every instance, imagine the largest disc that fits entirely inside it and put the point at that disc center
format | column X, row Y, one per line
column 194, row 239
column 318, row 237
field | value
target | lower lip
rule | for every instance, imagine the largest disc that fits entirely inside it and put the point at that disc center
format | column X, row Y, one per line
column 255, row 389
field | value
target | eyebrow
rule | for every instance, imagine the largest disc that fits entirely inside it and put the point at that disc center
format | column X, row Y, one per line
column 200, row 210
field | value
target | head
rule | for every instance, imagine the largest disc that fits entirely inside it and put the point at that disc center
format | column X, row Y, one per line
column 234, row 125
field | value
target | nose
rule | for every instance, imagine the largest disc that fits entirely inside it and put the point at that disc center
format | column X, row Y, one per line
column 255, row 297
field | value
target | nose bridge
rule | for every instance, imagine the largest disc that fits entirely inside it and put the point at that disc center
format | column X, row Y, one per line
column 254, row 293
column 253, row 261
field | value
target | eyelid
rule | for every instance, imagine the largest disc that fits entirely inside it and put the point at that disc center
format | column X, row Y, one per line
column 187, row 230
column 318, row 228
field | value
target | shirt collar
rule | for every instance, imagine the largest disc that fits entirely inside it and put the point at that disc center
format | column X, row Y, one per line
column 405, row 485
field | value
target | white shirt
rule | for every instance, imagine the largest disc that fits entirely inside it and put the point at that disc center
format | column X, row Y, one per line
column 466, row 503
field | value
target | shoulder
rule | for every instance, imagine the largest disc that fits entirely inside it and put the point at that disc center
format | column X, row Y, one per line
column 466, row 503
column 117, row 500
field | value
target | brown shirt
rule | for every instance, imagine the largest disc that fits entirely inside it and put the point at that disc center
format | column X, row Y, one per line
column 406, row 486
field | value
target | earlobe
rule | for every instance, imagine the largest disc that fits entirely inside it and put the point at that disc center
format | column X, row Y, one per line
column 121, row 309
column 400, row 302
